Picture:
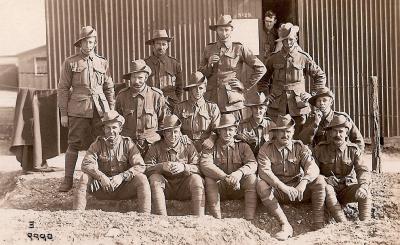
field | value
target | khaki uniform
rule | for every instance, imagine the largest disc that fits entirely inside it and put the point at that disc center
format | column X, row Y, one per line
column 289, row 165
column 269, row 44
column 259, row 133
column 142, row 114
column 313, row 133
column 102, row 159
column 223, row 160
column 344, row 162
column 198, row 120
column 232, row 57
column 183, row 186
column 166, row 75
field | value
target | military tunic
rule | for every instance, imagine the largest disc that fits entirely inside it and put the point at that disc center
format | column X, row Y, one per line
column 232, row 57
column 269, row 43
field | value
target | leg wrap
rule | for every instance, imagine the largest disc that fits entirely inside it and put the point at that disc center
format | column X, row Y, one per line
column 318, row 199
column 250, row 196
column 79, row 202
column 333, row 204
column 143, row 193
column 213, row 197
column 157, row 186
column 198, row 195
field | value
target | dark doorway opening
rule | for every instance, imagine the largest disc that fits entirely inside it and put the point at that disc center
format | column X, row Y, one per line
column 285, row 10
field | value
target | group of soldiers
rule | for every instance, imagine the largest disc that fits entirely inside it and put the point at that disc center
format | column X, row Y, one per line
column 150, row 145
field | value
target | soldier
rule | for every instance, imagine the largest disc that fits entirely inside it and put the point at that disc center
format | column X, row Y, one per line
column 85, row 92
column 286, row 68
column 167, row 71
column 288, row 173
column 221, row 63
column 113, row 168
column 346, row 175
column 314, row 129
column 199, row 117
column 271, row 34
column 255, row 129
column 142, row 106
column 172, row 168
column 230, row 168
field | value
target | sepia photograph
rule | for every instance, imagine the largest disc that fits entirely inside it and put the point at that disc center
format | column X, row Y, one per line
column 200, row 122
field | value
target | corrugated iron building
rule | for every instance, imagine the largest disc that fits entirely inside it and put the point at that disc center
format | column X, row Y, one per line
column 32, row 68
column 350, row 39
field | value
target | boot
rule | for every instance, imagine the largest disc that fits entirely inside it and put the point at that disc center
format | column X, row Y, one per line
column 71, row 157
column 286, row 229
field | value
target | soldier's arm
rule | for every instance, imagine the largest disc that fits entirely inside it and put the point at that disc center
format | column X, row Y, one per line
column 118, row 106
column 204, row 67
column 179, row 82
column 316, row 73
column 63, row 90
column 311, row 170
column 151, row 161
column 361, row 168
column 90, row 161
column 264, row 83
column 207, row 166
column 265, row 169
column 192, row 166
column 356, row 137
column 258, row 67
column 108, row 87
column 309, row 130
column 250, row 163
column 135, row 160
column 215, row 117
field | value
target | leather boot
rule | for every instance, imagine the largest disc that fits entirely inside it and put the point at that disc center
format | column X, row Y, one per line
column 71, row 157
column 286, row 229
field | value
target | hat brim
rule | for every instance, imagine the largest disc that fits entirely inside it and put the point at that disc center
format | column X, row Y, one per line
column 345, row 124
column 151, row 41
column 292, row 123
column 127, row 76
column 171, row 127
column 214, row 27
column 252, row 104
column 226, row 125
column 312, row 100
column 293, row 33
column 77, row 43
column 117, row 119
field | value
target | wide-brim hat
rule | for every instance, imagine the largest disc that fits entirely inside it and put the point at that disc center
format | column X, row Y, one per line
column 283, row 122
column 223, row 20
column 159, row 34
column 196, row 79
column 338, row 121
column 227, row 120
column 256, row 99
column 86, row 32
column 169, row 121
column 112, row 115
column 287, row 30
column 137, row 66
column 325, row 91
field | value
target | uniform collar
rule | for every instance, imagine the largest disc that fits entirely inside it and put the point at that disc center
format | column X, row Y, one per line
column 289, row 147
column 223, row 145
column 162, row 58
column 175, row 147
column 340, row 148
column 227, row 44
column 198, row 103
column 256, row 125
column 329, row 117
column 142, row 93
column 90, row 57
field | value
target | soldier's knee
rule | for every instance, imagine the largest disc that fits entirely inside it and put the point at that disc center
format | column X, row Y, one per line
column 141, row 179
column 196, row 181
column 263, row 188
column 319, row 182
column 210, row 182
column 250, row 182
column 156, row 180
column 73, row 147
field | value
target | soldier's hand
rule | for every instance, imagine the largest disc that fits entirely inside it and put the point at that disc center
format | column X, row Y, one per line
column 317, row 116
column 213, row 59
column 166, row 166
column 291, row 192
column 177, row 168
column 208, row 144
column 305, row 96
column 185, row 139
column 332, row 180
column 235, row 178
column 106, row 183
column 301, row 187
column 236, row 84
column 361, row 193
column 116, row 181
column 269, row 98
column 64, row 121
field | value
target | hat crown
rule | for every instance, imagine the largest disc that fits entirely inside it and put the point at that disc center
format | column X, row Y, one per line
column 338, row 120
column 227, row 120
column 160, row 34
column 324, row 90
column 284, row 121
column 87, row 31
column 170, row 121
column 139, row 66
column 224, row 19
column 256, row 99
column 112, row 116
column 196, row 79
column 287, row 29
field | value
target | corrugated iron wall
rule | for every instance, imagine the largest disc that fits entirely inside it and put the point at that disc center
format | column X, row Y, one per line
column 123, row 27
column 352, row 40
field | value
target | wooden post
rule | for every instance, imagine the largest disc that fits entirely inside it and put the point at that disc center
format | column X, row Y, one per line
column 375, row 124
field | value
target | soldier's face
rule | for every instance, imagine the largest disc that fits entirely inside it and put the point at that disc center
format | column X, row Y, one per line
column 172, row 135
column 338, row 135
column 269, row 22
column 160, row 47
column 289, row 42
column 88, row 45
column 197, row 92
column 224, row 32
column 138, row 80
column 323, row 103
column 112, row 130
column 227, row 134
column 258, row 111
column 284, row 136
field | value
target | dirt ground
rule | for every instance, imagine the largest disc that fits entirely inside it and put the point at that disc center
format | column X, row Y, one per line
column 34, row 198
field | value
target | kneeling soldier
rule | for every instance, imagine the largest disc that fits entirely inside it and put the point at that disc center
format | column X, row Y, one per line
column 230, row 168
column 255, row 130
column 346, row 174
column 288, row 172
column 199, row 117
column 172, row 167
column 113, row 168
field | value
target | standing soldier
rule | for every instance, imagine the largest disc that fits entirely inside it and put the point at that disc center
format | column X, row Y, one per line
column 288, row 173
column 199, row 117
column 167, row 71
column 347, row 176
column 113, row 168
column 230, row 169
column 286, row 68
column 271, row 34
column 172, row 167
column 314, row 129
column 142, row 106
column 222, row 62
column 255, row 129
column 85, row 92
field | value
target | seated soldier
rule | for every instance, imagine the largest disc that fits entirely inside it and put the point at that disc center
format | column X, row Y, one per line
column 288, row 173
column 199, row 117
column 172, row 167
column 255, row 130
column 113, row 168
column 347, row 176
column 230, row 168
column 314, row 129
